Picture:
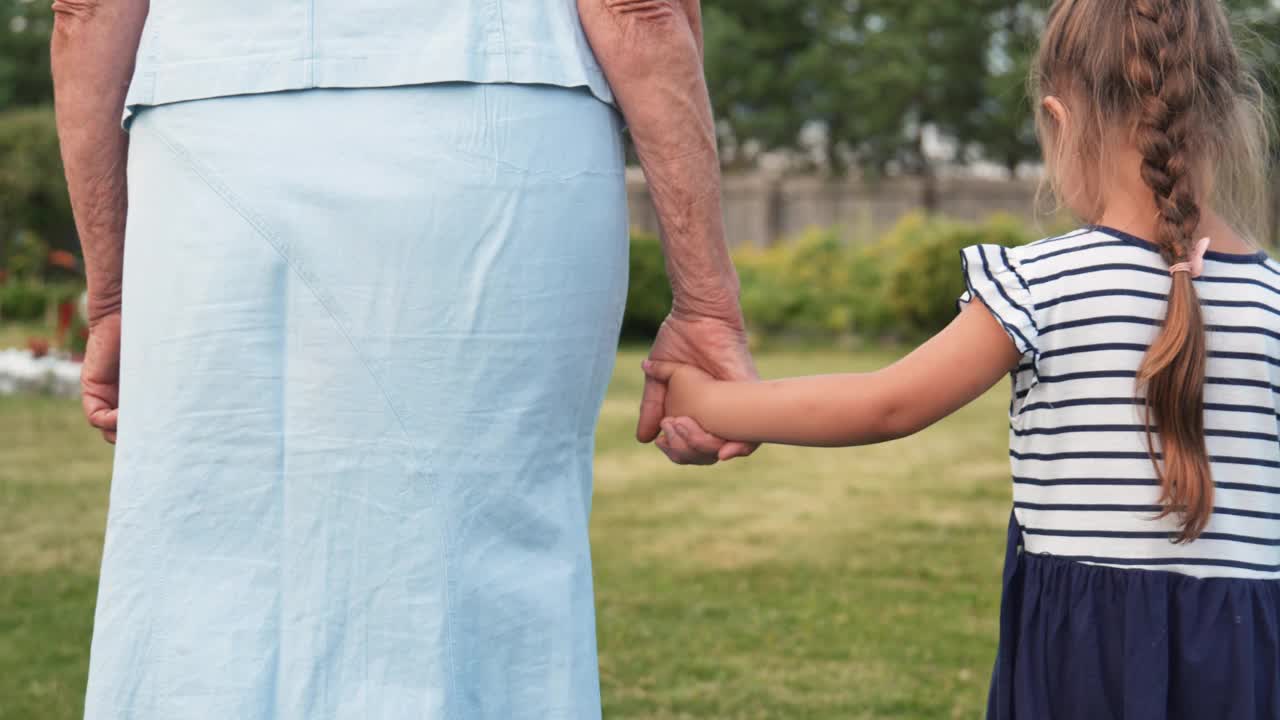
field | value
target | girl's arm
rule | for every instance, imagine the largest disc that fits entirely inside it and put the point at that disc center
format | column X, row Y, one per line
column 946, row 373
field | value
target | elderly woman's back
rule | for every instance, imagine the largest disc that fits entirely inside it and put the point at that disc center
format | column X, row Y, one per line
column 193, row 49
column 355, row 345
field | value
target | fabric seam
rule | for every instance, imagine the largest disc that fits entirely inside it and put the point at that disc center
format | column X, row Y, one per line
column 502, row 30
column 258, row 226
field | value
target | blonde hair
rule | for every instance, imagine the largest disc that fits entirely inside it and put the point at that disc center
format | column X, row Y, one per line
column 1168, row 75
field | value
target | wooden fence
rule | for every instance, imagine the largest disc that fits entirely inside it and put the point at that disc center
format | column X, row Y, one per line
column 762, row 209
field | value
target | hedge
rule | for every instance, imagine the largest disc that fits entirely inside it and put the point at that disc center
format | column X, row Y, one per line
column 649, row 292
column 817, row 287
column 23, row 301
column 30, row 301
column 33, row 196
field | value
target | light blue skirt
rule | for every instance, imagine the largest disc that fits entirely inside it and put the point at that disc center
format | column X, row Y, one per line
column 366, row 338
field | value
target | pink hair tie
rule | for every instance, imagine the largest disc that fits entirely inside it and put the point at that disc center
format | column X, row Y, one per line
column 1195, row 262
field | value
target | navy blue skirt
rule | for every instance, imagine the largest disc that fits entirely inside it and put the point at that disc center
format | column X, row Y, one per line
column 1083, row 642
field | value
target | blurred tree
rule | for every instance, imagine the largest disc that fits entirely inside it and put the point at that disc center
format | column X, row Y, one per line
column 765, row 62
column 1260, row 37
column 25, row 26
column 33, row 196
column 33, row 199
column 1005, row 129
column 909, row 69
column 865, row 83
column 842, row 83
column 871, row 78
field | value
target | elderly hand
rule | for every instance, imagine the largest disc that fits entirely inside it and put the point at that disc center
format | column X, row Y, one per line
column 100, row 375
column 713, row 345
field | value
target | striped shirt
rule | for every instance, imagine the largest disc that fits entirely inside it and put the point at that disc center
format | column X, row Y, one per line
column 1083, row 309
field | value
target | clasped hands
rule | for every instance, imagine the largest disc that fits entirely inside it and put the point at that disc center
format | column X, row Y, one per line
column 718, row 348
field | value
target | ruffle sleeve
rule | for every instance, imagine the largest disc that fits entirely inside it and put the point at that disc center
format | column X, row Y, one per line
column 992, row 275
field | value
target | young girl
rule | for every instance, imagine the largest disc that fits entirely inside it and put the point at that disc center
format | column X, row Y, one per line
column 1145, row 364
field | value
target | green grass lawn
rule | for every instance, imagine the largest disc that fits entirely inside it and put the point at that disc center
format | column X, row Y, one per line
column 797, row 584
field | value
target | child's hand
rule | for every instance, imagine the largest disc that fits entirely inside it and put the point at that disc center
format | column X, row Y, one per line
column 687, row 386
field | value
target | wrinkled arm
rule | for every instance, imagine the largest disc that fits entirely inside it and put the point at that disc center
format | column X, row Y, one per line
column 93, row 48
column 651, row 53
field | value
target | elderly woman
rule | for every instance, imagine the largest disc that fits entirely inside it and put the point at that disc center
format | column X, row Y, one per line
column 356, row 326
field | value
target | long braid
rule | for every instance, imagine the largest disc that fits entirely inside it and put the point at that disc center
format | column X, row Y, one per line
column 1161, row 70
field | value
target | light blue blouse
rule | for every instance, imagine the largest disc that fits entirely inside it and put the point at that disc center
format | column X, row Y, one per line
column 194, row 49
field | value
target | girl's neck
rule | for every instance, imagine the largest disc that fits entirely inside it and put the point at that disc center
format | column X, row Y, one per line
column 1142, row 224
column 1130, row 207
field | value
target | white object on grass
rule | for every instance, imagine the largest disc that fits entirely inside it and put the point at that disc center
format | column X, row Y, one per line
column 22, row 372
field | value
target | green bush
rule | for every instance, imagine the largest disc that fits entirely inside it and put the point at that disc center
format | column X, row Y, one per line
column 812, row 286
column 924, row 277
column 26, row 257
column 905, row 284
column 23, row 301
column 63, row 291
column 817, row 286
column 649, row 291
column 32, row 300
column 33, row 195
